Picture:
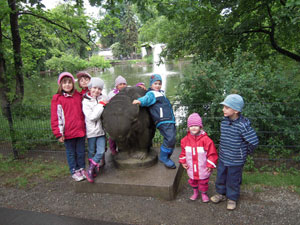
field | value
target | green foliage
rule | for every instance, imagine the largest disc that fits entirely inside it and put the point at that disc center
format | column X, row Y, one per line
column 98, row 62
column 116, row 50
column 272, row 112
column 66, row 62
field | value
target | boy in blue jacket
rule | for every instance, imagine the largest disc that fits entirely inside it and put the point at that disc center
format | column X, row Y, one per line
column 162, row 114
column 238, row 139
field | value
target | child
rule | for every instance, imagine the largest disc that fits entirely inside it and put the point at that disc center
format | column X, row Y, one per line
column 83, row 80
column 198, row 156
column 67, row 122
column 162, row 114
column 238, row 139
column 93, row 104
column 120, row 83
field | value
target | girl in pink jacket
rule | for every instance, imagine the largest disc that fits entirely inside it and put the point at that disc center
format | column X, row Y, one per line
column 198, row 156
column 67, row 123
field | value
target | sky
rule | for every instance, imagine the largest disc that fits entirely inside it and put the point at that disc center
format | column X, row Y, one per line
column 91, row 11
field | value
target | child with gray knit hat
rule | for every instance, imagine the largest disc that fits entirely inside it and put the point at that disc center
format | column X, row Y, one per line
column 238, row 139
column 93, row 105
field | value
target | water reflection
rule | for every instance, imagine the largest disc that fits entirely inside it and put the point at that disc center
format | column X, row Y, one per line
column 171, row 73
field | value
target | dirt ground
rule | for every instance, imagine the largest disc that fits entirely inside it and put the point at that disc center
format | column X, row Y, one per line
column 266, row 206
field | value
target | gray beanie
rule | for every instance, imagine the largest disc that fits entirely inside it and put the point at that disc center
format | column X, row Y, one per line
column 96, row 82
column 234, row 101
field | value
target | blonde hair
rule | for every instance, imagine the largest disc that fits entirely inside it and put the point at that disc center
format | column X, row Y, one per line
column 63, row 80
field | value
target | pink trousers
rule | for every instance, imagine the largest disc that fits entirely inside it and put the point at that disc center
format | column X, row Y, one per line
column 201, row 184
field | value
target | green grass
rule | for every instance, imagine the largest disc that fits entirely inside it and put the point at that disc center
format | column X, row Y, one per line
column 29, row 172
column 256, row 180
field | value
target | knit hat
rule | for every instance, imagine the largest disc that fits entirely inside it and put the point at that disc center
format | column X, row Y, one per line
column 83, row 73
column 194, row 120
column 120, row 80
column 96, row 82
column 140, row 83
column 155, row 77
column 234, row 101
column 65, row 74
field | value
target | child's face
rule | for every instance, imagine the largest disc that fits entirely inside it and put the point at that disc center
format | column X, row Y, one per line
column 121, row 86
column 67, row 85
column 156, row 86
column 194, row 130
column 229, row 112
column 84, row 81
column 95, row 92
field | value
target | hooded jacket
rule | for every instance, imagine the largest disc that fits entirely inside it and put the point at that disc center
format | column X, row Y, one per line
column 92, row 109
column 198, row 152
column 67, row 118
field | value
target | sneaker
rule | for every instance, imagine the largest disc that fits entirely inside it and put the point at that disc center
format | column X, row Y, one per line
column 82, row 173
column 204, row 196
column 218, row 198
column 231, row 205
column 77, row 176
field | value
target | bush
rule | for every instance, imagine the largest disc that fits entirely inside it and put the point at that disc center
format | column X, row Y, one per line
column 98, row 62
column 273, row 112
column 68, row 63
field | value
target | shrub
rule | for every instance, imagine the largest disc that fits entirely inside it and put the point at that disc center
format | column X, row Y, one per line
column 272, row 111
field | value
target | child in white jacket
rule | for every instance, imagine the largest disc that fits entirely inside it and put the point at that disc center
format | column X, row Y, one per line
column 93, row 104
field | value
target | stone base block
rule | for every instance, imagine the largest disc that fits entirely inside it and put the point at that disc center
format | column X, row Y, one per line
column 156, row 181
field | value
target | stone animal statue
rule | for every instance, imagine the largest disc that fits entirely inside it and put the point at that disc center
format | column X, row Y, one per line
column 129, row 125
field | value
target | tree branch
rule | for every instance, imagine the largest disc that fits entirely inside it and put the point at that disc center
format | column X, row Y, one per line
column 56, row 24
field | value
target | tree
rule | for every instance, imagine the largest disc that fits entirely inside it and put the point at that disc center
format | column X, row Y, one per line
column 216, row 28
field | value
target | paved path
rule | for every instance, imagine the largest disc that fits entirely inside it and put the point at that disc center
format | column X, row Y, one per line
column 23, row 217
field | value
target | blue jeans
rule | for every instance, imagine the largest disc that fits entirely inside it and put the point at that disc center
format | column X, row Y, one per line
column 229, row 180
column 75, row 148
column 96, row 148
column 168, row 131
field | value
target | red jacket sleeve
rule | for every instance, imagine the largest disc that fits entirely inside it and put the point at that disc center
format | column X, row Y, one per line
column 182, row 158
column 212, row 155
column 55, row 123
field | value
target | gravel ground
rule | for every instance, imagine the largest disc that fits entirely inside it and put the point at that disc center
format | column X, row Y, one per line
column 266, row 206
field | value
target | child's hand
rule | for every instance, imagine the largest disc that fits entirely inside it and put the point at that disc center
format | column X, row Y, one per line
column 208, row 169
column 136, row 102
column 61, row 139
column 185, row 166
column 143, row 87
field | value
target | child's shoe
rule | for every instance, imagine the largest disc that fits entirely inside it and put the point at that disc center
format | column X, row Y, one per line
column 195, row 195
column 204, row 196
column 77, row 176
column 218, row 198
column 82, row 173
column 231, row 205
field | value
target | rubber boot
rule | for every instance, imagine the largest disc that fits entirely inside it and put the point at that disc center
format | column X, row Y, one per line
column 90, row 171
column 163, row 157
column 195, row 195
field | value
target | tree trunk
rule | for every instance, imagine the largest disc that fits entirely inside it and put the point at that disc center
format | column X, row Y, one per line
column 5, row 104
column 14, row 26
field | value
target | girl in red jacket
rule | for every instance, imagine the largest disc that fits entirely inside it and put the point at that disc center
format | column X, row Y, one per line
column 67, row 123
column 198, row 156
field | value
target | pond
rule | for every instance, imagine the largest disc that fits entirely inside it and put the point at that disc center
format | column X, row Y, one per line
column 40, row 90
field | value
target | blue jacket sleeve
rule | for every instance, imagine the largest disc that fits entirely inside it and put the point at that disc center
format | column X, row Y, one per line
column 250, row 137
column 148, row 99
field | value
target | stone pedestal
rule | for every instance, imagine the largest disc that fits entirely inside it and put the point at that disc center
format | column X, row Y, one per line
column 156, row 181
